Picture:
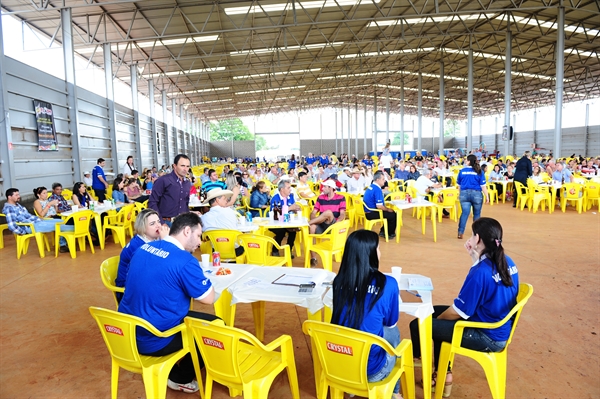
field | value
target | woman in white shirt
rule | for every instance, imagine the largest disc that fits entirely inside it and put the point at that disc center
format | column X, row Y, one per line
column 128, row 168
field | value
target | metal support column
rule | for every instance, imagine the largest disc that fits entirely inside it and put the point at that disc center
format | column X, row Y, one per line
column 470, row 101
column 69, row 58
column 336, row 133
column 375, row 122
column 136, row 116
column 349, row 129
column 166, row 126
column 320, row 130
column 175, row 129
column 356, row 128
column 420, row 111
column 6, row 148
column 364, row 126
column 110, row 104
column 387, row 115
column 153, row 131
column 402, row 119
column 560, row 74
column 442, row 94
column 342, row 130
column 507, row 85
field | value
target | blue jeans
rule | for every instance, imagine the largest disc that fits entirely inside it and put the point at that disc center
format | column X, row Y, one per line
column 469, row 198
column 391, row 335
column 442, row 331
column 49, row 226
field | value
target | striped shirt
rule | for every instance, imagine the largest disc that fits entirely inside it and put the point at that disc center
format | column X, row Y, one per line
column 209, row 185
column 336, row 204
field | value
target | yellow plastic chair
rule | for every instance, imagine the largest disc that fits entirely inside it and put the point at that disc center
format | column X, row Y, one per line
column 108, row 273
column 140, row 206
column 572, row 192
column 493, row 192
column 223, row 241
column 257, row 249
column 592, row 194
column 3, row 226
column 370, row 223
column 237, row 359
column 261, row 212
column 448, row 201
column 493, row 363
column 119, row 334
column 120, row 223
column 350, row 211
column 67, row 194
column 538, row 195
column 341, row 358
column 22, row 241
column 81, row 230
column 328, row 244
column 523, row 195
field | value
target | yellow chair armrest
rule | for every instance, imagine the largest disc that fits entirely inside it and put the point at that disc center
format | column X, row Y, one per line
column 462, row 324
column 276, row 343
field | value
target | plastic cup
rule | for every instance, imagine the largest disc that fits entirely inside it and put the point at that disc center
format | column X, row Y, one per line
column 205, row 261
column 74, row 208
column 397, row 272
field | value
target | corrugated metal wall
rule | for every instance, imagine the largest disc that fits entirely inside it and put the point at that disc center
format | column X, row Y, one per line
column 34, row 168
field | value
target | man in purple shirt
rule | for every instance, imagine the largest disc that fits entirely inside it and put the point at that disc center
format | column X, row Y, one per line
column 171, row 192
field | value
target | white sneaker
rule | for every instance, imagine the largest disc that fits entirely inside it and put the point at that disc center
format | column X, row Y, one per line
column 190, row 387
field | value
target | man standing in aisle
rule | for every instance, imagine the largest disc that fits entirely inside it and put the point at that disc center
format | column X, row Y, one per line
column 523, row 170
column 171, row 192
column 373, row 199
column 99, row 183
column 163, row 276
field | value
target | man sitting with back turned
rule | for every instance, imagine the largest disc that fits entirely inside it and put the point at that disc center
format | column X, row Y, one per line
column 163, row 276
column 282, row 198
column 220, row 216
column 373, row 199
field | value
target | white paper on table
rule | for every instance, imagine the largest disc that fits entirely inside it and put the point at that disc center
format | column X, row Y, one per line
column 290, row 279
column 420, row 283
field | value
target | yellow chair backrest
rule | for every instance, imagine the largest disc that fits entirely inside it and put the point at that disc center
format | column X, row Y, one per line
column 81, row 221
column 592, row 189
column 235, row 358
column 256, row 248
column 447, row 197
column 223, row 241
column 124, row 217
column 119, row 333
column 108, row 273
column 344, row 353
column 338, row 232
column 572, row 190
column 67, row 194
column 395, row 196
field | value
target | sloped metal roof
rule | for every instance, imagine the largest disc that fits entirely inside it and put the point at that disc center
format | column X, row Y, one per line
column 239, row 58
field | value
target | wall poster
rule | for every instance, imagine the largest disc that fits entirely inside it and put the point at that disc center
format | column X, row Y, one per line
column 45, row 123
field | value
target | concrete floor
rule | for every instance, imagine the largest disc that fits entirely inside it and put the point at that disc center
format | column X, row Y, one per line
column 51, row 348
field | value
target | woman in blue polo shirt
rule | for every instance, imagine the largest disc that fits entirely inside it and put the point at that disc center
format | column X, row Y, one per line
column 367, row 300
column 471, row 181
column 488, row 294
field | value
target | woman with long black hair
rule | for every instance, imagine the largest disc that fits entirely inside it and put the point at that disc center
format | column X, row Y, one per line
column 471, row 182
column 488, row 294
column 367, row 300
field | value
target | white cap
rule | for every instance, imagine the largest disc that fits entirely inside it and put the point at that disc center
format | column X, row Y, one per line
column 86, row 173
column 329, row 183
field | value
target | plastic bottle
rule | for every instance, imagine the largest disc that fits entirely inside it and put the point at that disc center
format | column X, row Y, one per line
column 284, row 210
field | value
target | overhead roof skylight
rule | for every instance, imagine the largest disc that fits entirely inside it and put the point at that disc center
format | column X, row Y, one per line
column 300, row 4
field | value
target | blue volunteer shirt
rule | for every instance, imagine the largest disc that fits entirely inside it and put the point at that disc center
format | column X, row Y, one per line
column 291, row 164
column 278, row 200
column 125, row 259
column 373, row 196
column 367, row 162
column 468, row 179
column 162, row 279
column 310, row 160
column 96, row 183
column 483, row 297
column 384, row 313
column 324, row 161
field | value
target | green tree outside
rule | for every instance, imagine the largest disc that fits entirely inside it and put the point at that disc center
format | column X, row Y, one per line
column 451, row 128
column 234, row 129
column 396, row 139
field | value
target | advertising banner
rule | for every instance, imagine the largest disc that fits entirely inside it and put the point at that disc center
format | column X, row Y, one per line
column 45, row 124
